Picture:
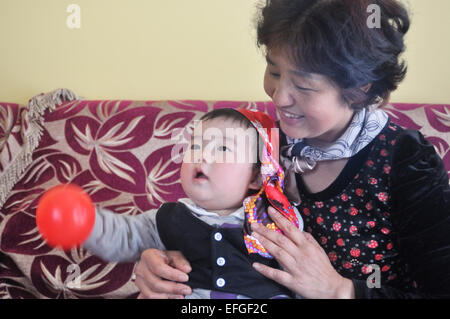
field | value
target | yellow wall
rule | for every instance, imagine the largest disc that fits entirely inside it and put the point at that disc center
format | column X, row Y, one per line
column 175, row 49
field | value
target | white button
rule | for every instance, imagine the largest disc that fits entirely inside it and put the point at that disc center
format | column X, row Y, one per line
column 218, row 236
column 220, row 261
column 220, row 282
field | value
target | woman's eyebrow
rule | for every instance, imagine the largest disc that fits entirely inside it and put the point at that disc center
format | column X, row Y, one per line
column 305, row 75
column 269, row 60
column 302, row 74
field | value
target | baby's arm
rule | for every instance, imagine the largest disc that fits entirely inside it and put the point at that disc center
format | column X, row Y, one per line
column 120, row 238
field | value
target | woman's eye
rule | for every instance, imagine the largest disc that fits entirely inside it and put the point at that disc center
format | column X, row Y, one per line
column 303, row 88
column 275, row 75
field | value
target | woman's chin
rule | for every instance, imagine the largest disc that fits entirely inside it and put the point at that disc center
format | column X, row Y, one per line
column 291, row 130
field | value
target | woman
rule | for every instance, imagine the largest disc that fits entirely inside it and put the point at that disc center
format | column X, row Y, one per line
column 375, row 198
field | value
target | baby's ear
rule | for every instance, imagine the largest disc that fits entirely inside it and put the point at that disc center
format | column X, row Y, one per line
column 257, row 181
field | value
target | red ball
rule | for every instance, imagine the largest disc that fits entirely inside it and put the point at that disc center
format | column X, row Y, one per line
column 65, row 216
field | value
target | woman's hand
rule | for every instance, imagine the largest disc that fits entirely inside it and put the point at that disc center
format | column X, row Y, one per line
column 307, row 270
column 159, row 273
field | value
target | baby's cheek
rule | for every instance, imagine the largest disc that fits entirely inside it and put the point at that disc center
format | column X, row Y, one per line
column 185, row 173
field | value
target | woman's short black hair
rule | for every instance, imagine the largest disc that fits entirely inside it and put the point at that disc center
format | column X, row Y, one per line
column 336, row 38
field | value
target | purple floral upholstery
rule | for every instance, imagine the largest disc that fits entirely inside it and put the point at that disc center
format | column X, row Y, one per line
column 122, row 154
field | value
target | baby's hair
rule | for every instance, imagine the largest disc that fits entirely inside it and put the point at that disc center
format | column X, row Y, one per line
column 333, row 38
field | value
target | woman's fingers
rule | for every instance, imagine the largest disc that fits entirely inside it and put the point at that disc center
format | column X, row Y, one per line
column 288, row 228
column 312, row 240
column 177, row 260
column 277, row 247
column 162, row 264
column 147, row 293
column 157, row 279
column 276, row 275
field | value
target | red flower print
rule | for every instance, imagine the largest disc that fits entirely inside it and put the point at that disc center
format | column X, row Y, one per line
column 353, row 230
column 382, row 197
column 333, row 209
column 372, row 244
column 382, row 137
column 359, row 191
column 392, row 277
column 319, row 204
column 319, row 220
column 390, row 246
column 337, row 226
column 378, row 256
column 385, row 231
column 340, row 242
column 344, row 197
column 323, row 240
column 369, row 206
column 373, row 181
column 385, row 268
column 369, row 163
column 306, row 212
column 370, row 224
column 347, row 265
column 355, row 252
column 393, row 142
column 384, row 152
column 332, row 256
column 366, row 269
column 387, row 169
column 353, row 211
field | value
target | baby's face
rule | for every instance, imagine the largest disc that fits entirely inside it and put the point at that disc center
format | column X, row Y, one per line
column 218, row 167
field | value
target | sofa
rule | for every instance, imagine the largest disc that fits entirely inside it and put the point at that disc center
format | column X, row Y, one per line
column 121, row 152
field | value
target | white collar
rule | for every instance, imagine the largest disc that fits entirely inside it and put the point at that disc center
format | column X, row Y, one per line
column 238, row 213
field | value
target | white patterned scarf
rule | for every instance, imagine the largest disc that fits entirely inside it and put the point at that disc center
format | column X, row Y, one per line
column 297, row 156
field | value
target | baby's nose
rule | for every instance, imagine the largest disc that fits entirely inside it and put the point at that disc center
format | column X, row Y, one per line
column 208, row 156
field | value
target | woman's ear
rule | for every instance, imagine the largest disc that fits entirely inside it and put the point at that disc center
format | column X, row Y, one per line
column 366, row 87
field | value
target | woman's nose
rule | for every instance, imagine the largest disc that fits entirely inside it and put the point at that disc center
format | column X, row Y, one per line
column 281, row 96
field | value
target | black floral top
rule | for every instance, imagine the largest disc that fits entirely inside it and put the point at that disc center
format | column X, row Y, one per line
column 385, row 221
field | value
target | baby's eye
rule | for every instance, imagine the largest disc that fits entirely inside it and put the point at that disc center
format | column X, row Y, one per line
column 195, row 147
column 223, row 148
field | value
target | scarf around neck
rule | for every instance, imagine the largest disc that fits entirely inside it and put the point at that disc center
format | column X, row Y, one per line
column 298, row 156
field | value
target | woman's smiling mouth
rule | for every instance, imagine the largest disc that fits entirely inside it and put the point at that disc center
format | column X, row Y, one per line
column 290, row 118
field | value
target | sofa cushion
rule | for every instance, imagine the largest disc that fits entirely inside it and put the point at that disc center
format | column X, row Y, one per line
column 122, row 153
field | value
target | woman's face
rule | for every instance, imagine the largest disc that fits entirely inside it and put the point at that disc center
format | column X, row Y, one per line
column 308, row 104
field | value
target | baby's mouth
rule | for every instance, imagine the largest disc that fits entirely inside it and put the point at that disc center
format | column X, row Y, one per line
column 199, row 175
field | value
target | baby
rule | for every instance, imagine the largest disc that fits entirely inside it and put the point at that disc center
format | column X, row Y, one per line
column 228, row 187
